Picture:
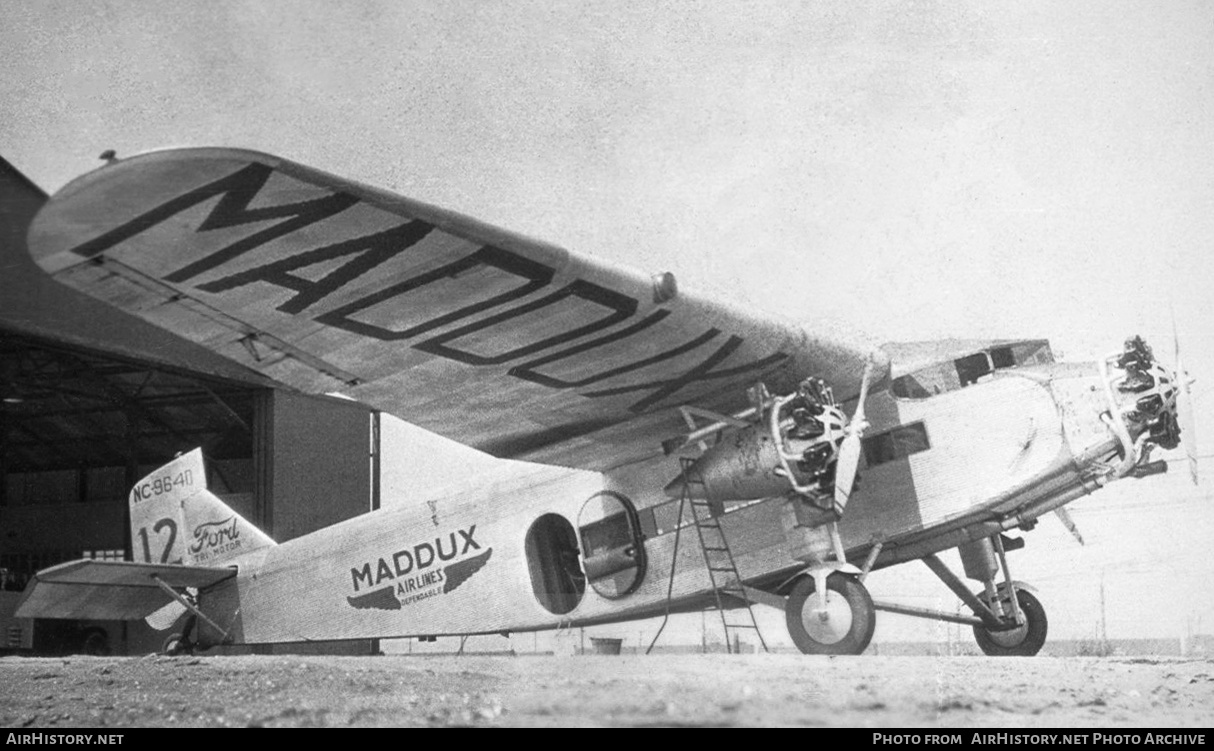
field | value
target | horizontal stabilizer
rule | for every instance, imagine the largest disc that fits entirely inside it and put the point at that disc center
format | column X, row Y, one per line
column 110, row 590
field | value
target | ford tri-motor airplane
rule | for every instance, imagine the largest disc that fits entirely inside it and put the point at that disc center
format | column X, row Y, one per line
column 697, row 455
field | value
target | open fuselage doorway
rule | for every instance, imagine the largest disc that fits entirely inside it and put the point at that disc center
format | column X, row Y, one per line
column 552, row 558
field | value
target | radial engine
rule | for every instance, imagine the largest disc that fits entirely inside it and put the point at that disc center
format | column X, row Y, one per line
column 793, row 445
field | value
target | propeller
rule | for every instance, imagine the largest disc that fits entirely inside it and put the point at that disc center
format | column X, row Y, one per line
column 1065, row 517
column 1184, row 407
column 849, row 452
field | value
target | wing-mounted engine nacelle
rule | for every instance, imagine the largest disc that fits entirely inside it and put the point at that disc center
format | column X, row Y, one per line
column 792, row 446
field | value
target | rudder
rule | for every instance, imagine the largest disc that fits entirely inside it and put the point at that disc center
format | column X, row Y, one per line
column 175, row 519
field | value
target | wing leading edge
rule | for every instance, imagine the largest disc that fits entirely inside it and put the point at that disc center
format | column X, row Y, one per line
column 507, row 344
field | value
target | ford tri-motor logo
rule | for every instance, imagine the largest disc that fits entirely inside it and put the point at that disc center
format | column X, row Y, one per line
column 215, row 538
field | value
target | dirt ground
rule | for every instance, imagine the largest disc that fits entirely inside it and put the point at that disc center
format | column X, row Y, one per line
column 691, row 690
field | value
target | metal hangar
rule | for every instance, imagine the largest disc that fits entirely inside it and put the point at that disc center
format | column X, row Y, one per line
column 92, row 399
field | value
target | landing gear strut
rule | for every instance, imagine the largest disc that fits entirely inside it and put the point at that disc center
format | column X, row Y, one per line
column 1013, row 621
column 1007, row 619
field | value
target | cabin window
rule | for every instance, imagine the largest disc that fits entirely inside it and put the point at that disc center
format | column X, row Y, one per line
column 613, row 550
column 552, row 559
column 898, row 443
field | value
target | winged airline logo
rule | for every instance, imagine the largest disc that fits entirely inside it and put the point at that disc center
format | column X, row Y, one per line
column 380, row 599
column 412, row 578
column 458, row 573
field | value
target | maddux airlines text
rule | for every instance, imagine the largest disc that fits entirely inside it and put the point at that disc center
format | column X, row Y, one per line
column 1039, row 739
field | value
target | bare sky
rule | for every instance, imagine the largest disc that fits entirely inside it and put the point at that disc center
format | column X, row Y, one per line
column 916, row 170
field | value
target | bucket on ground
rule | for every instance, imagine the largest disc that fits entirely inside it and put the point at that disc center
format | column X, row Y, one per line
column 603, row 646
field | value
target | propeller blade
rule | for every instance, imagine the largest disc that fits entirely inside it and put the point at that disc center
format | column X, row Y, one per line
column 1184, row 415
column 1184, row 406
column 845, row 469
column 848, row 461
column 1069, row 523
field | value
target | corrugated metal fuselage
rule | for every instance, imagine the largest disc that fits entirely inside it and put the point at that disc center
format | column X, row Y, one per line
column 535, row 551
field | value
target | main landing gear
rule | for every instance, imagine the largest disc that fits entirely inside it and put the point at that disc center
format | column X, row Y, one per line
column 1012, row 620
column 1023, row 639
column 1008, row 619
column 828, row 611
column 841, row 623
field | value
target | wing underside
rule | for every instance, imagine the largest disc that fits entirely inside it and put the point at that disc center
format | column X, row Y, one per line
column 510, row 345
column 110, row 590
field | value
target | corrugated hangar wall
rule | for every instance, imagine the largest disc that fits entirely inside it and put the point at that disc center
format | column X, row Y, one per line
column 91, row 399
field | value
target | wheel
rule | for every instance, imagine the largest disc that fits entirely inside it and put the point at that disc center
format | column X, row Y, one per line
column 176, row 644
column 844, row 627
column 95, row 643
column 179, row 642
column 1022, row 641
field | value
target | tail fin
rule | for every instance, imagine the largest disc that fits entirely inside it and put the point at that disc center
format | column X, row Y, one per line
column 175, row 519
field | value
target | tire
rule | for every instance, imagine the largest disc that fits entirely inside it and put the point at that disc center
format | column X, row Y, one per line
column 852, row 617
column 1022, row 641
column 96, row 643
column 175, row 644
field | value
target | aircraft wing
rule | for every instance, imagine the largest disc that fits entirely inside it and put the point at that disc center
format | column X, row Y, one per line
column 507, row 344
column 110, row 590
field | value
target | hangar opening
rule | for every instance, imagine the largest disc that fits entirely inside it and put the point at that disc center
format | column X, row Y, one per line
column 92, row 399
column 77, row 429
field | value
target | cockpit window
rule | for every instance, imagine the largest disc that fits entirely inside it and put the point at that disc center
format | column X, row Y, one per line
column 1003, row 357
column 1031, row 353
column 972, row 367
column 925, row 382
column 951, row 375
